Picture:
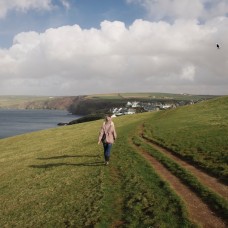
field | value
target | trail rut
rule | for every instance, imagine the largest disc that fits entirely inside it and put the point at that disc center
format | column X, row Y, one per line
column 211, row 182
column 199, row 212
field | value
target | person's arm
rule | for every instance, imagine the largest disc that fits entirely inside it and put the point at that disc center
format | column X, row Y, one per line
column 100, row 135
column 114, row 132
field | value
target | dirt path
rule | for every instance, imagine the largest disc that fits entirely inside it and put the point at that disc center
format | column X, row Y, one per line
column 199, row 212
column 209, row 181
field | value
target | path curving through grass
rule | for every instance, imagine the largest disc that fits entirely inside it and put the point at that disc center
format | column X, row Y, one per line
column 213, row 183
column 199, row 212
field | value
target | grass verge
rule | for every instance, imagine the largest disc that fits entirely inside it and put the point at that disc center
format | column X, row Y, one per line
column 216, row 202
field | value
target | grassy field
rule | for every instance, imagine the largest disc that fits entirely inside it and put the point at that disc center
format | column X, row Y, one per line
column 199, row 133
column 56, row 177
column 148, row 96
column 217, row 202
column 15, row 101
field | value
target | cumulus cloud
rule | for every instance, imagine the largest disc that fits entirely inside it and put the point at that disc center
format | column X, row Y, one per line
column 146, row 56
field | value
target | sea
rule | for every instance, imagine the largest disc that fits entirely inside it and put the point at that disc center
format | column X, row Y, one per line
column 15, row 122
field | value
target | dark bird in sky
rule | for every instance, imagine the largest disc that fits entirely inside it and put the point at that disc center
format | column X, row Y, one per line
column 217, row 45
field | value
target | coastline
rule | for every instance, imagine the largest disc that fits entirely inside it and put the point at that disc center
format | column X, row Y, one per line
column 16, row 122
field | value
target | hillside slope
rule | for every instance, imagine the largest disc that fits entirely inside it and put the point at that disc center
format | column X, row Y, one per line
column 198, row 133
column 36, row 102
column 88, row 104
column 57, row 177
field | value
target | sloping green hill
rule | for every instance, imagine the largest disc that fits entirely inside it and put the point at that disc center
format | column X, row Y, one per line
column 57, row 177
column 198, row 132
column 36, row 102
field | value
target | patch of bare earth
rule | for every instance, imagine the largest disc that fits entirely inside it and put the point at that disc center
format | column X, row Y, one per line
column 199, row 212
column 211, row 182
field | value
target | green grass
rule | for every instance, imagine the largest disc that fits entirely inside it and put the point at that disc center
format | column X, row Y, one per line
column 111, row 96
column 198, row 132
column 146, row 196
column 148, row 96
column 216, row 202
column 15, row 101
column 57, row 178
column 46, row 177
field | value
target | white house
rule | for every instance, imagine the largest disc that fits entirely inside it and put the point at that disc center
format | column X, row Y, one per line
column 130, row 111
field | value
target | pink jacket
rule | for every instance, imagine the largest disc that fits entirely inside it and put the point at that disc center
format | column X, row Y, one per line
column 109, row 129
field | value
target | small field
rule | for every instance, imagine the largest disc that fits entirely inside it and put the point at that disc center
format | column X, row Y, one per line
column 148, row 96
column 16, row 101
column 57, row 177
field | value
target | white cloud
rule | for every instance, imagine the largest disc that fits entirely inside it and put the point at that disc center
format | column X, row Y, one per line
column 65, row 3
column 188, row 73
column 25, row 5
column 146, row 56
column 185, row 9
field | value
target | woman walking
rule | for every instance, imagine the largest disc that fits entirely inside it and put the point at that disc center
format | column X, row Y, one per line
column 107, row 136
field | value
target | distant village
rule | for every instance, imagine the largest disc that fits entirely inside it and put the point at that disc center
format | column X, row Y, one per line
column 138, row 107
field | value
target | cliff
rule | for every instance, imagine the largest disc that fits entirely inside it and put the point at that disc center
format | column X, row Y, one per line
column 32, row 102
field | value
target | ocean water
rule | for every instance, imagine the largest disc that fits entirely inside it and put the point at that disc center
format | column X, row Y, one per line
column 15, row 122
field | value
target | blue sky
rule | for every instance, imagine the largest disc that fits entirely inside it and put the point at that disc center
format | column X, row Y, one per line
column 86, row 13
column 75, row 47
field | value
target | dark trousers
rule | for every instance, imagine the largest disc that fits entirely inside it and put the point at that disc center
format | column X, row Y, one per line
column 107, row 150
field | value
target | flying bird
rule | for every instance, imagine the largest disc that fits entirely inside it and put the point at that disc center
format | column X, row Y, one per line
column 217, row 45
